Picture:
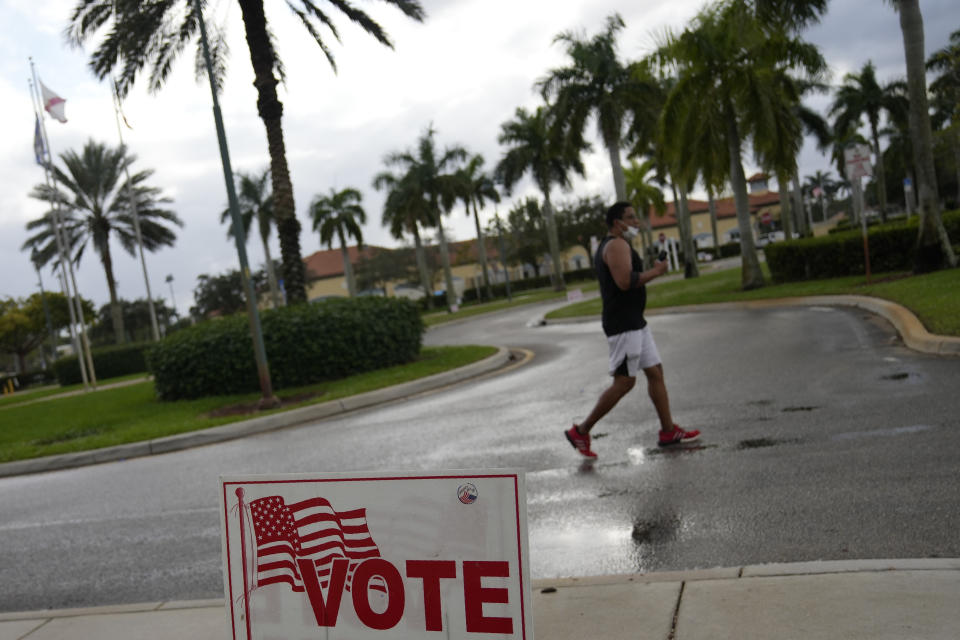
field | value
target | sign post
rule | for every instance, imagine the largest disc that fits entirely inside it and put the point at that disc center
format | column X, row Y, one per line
column 376, row 555
column 857, row 160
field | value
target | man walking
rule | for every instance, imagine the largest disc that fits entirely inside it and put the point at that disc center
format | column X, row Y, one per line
column 632, row 349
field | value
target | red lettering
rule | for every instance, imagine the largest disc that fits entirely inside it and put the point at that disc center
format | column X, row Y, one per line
column 395, row 597
column 431, row 571
column 474, row 595
column 325, row 612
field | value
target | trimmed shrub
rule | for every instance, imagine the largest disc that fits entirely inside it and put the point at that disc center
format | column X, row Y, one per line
column 108, row 362
column 305, row 344
column 892, row 248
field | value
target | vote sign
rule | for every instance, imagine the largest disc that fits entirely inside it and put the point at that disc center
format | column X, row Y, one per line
column 376, row 555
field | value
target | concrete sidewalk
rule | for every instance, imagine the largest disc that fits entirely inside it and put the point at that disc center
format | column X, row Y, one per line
column 869, row 599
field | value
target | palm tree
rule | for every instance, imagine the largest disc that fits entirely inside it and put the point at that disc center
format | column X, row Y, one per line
column 404, row 211
column 433, row 177
column 476, row 187
column 645, row 195
column 945, row 91
column 598, row 83
column 821, row 186
column 549, row 154
column 933, row 245
column 340, row 214
column 731, row 69
column 95, row 205
column 256, row 202
column 861, row 95
column 139, row 38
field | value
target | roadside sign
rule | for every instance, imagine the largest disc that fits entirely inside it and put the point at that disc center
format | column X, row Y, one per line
column 907, row 184
column 766, row 218
column 376, row 555
column 574, row 295
column 856, row 157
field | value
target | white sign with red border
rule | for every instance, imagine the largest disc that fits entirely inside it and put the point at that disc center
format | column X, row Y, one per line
column 376, row 555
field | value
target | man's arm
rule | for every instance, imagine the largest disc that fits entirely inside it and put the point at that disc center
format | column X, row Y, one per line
column 617, row 256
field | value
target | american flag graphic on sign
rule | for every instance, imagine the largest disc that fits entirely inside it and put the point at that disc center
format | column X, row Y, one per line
column 309, row 529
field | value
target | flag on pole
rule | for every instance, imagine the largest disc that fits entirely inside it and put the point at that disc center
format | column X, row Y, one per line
column 39, row 149
column 54, row 104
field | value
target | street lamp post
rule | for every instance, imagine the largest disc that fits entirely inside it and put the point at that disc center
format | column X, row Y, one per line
column 173, row 299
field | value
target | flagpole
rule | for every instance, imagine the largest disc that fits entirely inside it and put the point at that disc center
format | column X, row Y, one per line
column 61, row 240
column 64, row 282
column 136, row 218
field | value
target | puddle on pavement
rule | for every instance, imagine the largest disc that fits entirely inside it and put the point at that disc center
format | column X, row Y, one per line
column 759, row 443
column 793, row 409
column 655, row 531
column 894, row 431
column 759, row 403
column 901, row 375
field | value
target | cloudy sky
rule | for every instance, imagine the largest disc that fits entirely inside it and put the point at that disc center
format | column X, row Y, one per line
column 465, row 70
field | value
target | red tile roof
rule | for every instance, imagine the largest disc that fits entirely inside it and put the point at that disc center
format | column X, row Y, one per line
column 726, row 208
column 329, row 263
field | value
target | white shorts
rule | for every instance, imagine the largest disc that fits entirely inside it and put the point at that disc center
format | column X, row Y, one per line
column 637, row 348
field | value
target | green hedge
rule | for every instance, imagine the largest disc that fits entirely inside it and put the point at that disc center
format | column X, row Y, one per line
column 108, row 362
column 892, row 248
column 305, row 343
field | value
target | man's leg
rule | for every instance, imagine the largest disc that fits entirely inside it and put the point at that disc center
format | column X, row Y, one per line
column 657, row 388
column 608, row 400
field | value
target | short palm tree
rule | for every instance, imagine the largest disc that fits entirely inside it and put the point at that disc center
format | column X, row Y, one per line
column 730, row 68
column 91, row 191
column 861, row 95
column 476, row 187
column 256, row 203
column 432, row 175
column 646, row 196
column 138, row 38
column 339, row 215
column 535, row 146
column 597, row 82
column 404, row 211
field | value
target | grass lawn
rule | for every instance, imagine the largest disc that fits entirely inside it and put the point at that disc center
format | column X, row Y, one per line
column 933, row 297
column 35, row 393
column 132, row 413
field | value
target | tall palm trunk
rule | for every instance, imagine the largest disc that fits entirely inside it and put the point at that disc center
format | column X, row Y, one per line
column 116, row 312
column 751, row 276
column 690, row 269
column 271, row 275
column 554, row 241
column 482, row 252
column 712, row 206
column 800, row 209
column 881, row 175
column 263, row 57
column 619, row 180
column 422, row 266
column 933, row 245
column 786, row 211
column 347, row 268
column 445, row 259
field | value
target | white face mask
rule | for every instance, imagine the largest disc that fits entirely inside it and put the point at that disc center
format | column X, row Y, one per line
column 630, row 232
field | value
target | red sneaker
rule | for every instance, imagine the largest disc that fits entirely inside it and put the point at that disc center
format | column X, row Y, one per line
column 579, row 441
column 678, row 436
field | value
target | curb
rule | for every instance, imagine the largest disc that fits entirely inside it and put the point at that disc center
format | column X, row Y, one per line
column 746, row 572
column 914, row 335
column 257, row 425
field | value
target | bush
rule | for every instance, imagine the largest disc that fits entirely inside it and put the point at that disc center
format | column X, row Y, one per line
column 108, row 362
column 892, row 248
column 305, row 344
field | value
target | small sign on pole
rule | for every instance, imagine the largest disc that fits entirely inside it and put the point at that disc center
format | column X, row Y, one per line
column 856, row 157
column 376, row 555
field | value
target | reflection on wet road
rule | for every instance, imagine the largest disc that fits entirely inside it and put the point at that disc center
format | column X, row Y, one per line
column 815, row 446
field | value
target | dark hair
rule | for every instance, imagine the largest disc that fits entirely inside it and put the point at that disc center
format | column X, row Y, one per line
column 616, row 211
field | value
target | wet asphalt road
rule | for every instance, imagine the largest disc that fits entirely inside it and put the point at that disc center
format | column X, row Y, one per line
column 824, row 438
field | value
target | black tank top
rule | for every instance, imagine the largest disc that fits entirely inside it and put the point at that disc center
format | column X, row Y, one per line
column 622, row 310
